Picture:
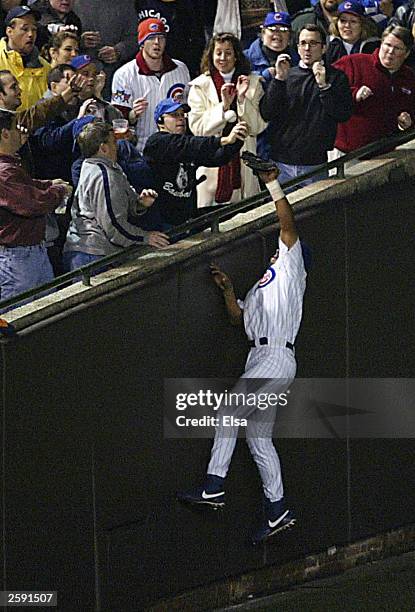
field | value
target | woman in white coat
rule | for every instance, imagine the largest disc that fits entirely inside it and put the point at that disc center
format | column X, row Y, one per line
column 226, row 91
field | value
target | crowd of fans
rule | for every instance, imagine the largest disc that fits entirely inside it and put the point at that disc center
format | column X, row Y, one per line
column 119, row 121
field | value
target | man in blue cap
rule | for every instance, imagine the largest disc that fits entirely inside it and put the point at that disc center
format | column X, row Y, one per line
column 90, row 100
column 175, row 156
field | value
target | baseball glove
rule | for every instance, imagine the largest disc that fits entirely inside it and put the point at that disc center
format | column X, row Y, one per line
column 257, row 164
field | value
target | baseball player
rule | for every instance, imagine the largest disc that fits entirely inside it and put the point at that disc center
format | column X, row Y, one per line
column 271, row 313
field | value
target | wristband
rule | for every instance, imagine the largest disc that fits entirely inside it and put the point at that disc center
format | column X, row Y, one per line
column 275, row 190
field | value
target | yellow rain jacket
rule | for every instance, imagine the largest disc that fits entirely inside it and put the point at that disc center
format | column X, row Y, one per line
column 33, row 81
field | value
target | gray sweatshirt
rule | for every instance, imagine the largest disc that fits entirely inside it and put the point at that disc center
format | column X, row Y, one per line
column 103, row 203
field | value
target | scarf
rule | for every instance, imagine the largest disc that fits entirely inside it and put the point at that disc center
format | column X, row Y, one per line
column 229, row 176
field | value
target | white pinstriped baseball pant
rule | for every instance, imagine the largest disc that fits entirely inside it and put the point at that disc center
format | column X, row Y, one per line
column 278, row 367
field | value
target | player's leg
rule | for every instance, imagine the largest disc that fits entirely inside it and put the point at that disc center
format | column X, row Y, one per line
column 259, row 439
column 263, row 451
column 260, row 443
column 212, row 493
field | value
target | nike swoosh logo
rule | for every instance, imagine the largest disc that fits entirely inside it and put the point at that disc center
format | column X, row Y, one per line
column 273, row 524
column 210, row 495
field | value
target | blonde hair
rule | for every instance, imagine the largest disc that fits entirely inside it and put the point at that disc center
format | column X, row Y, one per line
column 56, row 43
column 368, row 27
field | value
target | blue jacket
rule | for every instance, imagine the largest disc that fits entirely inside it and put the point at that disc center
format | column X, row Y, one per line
column 259, row 61
column 52, row 150
column 260, row 65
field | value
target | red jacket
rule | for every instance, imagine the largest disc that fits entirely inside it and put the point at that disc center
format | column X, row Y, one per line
column 24, row 204
column 377, row 116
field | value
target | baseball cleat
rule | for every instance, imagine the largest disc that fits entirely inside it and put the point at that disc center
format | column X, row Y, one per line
column 200, row 497
column 284, row 522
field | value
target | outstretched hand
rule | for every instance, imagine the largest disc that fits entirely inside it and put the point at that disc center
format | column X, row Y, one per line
column 221, row 279
column 158, row 240
column 267, row 170
column 239, row 131
column 147, row 197
column 268, row 177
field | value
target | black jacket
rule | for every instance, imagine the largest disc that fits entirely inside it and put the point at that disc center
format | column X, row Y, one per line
column 304, row 117
column 336, row 48
column 174, row 159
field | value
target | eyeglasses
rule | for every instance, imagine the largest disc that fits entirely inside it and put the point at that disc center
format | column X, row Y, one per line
column 277, row 28
column 309, row 43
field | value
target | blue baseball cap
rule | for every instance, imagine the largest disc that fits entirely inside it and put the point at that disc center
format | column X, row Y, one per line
column 169, row 105
column 20, row 11
column 279, row 18
column 351, row 6
column 80, row 61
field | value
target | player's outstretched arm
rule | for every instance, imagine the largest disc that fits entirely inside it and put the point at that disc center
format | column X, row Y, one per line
column 288, row 231
column 268, row 172
column 224, row 283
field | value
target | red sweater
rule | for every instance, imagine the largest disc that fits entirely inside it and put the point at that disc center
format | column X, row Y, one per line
column 24, row 204
column 377, row 116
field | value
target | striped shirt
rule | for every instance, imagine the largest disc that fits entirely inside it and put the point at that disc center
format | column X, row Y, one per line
column 273, row 307
column 130, row 83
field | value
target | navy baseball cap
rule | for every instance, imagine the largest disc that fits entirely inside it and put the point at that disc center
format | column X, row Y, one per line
column 20, row 11
column 279, row 18
column 350, row 6
column 169, row 105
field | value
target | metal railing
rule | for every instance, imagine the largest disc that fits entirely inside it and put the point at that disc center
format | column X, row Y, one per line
column 210, row 220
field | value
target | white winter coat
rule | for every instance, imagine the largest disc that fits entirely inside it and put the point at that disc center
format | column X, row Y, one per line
column 207, row 118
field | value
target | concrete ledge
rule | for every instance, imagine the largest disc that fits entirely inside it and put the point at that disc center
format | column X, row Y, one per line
column 272, row 579
column 362, row 177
